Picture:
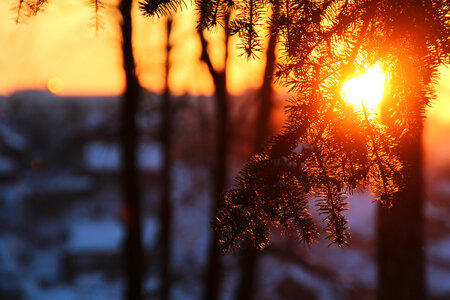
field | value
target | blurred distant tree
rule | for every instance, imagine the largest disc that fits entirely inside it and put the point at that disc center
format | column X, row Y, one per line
column 166, row 206
column 220, row 166
column 131, row 206
column 220, row 171
column 128, row 138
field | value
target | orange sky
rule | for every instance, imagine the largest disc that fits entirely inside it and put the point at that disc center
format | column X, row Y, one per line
column 60, row 43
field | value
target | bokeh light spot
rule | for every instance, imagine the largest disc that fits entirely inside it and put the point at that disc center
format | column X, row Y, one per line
column 55, row 85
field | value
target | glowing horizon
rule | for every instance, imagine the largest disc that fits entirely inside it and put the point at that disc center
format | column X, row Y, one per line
column 59, row 42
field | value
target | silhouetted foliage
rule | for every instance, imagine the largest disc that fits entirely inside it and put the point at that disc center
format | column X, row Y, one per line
column 97, row 5
column 27, row 8
column 220, row 163
column 212, row 12
column 329, row 148
column 159, row 8
column 263, row 130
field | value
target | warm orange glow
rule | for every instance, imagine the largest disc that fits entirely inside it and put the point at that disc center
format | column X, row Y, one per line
column 366, row 88
column 55, row 85
column 60, row 40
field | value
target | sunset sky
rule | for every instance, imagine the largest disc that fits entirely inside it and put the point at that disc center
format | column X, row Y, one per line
column 59, row 49
column 61, row 42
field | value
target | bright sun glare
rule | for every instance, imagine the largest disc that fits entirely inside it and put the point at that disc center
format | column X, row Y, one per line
column 55, row 85
column 367, row 88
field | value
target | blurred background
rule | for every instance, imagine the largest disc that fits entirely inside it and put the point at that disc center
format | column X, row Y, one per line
column 61, row 230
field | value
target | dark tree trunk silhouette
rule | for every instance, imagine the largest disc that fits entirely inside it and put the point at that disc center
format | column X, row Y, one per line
column 263, row 125
column 166, row 207
column 249, row 259
column 213, row 272
column 400, row 236
column 263, row 130
column 400, row 230
column 400, row 239
column 130, row 179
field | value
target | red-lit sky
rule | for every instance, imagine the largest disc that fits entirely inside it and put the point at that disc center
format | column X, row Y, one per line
column 60, row 43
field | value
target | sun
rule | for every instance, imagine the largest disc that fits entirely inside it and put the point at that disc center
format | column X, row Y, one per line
column 365, row 89
column 55, row 85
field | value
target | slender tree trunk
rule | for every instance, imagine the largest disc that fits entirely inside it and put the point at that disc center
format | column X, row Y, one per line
column 263, row 126
column 166, row 207
column 213, row 272
column 250, row 254
column 249, row 260
column 129, row 140
column 400, row 235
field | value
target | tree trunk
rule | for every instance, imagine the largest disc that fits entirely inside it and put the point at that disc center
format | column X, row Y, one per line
column 249, row 256
column 129, row 142
column 213, row 272
column 263, row 126
column 166, row 207
column 400, row 235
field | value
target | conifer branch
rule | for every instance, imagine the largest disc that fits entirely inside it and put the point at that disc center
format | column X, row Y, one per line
column 97, row 5
column 19, row 10
column 247, row 24
column 212, row 12
column 159, row 8
column 332, row 204
column 27, row 8
column 36, row 6
column 327, row 148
